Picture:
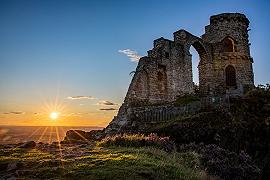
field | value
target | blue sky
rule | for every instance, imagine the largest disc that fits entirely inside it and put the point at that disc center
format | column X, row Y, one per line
column 58, row 48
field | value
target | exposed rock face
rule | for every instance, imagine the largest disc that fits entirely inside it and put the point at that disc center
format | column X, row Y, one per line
column 28, row 145
column 225, row 67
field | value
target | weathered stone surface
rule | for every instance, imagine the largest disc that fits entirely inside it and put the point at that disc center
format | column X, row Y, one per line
column 225, row 67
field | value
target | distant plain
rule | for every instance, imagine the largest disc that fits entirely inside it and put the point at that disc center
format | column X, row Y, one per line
column 45, row 134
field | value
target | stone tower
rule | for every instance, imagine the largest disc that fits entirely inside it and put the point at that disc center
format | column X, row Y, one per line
column 232, row 71
column 225, row 67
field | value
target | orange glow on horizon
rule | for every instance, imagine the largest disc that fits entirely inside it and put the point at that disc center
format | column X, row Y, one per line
column 65, row 118
column 56, row 113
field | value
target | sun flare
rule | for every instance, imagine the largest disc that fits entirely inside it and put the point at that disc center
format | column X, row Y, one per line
column 54, row 115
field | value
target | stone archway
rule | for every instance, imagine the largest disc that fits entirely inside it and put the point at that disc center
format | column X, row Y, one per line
column 200, row 49
column 205, row 69
column 187, row 40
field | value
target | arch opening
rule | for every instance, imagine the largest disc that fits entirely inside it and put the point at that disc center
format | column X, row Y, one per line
column 228, row 45
column 199, row 56
column 195, row 59
column 230, row 75
column 201, row 51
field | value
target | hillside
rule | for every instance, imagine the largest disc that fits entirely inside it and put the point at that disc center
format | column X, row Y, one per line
column 88, row 161
column 221, row 135
column 242, row 127
column 231, row 142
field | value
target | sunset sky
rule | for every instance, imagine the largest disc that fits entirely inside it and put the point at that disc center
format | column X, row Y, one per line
column 74, row 57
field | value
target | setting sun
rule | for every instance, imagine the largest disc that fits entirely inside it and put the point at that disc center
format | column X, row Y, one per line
column 54, row 115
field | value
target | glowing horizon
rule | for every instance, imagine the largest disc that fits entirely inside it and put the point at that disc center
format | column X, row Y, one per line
column 65, row 115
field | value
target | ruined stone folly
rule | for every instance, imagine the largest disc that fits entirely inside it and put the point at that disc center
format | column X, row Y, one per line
column 165, row 74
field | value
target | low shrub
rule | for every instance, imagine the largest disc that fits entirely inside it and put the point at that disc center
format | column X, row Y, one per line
column 138, row 140
column 261, row 91
column 224, row 163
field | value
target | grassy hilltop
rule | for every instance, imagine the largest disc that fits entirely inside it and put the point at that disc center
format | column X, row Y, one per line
column 95, row 162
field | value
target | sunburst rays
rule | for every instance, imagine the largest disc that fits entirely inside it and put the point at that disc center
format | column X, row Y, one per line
column 47, row 134
column 33, row 133
column 53, row 110
column 42, row 135
column 84, row 138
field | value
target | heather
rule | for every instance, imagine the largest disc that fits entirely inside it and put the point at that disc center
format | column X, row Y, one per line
column 138, row 140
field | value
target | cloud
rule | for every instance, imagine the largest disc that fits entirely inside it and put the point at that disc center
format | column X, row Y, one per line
column 107, row 109
column 71, row 114
column 13, row 112
column 80, row 97
column 39, row 114
column 133, row 56
column 107, row 103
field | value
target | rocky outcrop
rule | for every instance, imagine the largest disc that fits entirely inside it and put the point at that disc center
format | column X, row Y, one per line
column 79, row 136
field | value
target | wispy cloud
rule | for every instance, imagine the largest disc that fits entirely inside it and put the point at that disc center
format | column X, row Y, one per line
column 133, row 55
column 14, row 112
column 71, row 114
column 80, row 97
column 107, row 109
column 107, row 103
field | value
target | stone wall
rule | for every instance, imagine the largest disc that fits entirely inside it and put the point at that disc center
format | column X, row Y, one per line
column 138, row 119
column 134, row 119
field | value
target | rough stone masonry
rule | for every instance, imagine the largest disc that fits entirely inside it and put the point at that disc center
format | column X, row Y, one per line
column 225, row 67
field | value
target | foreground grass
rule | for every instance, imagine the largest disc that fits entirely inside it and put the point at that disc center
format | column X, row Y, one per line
column 93, row 162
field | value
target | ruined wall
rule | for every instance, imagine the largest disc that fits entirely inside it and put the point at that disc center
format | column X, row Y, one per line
column 225, row 67
column 161, row 76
